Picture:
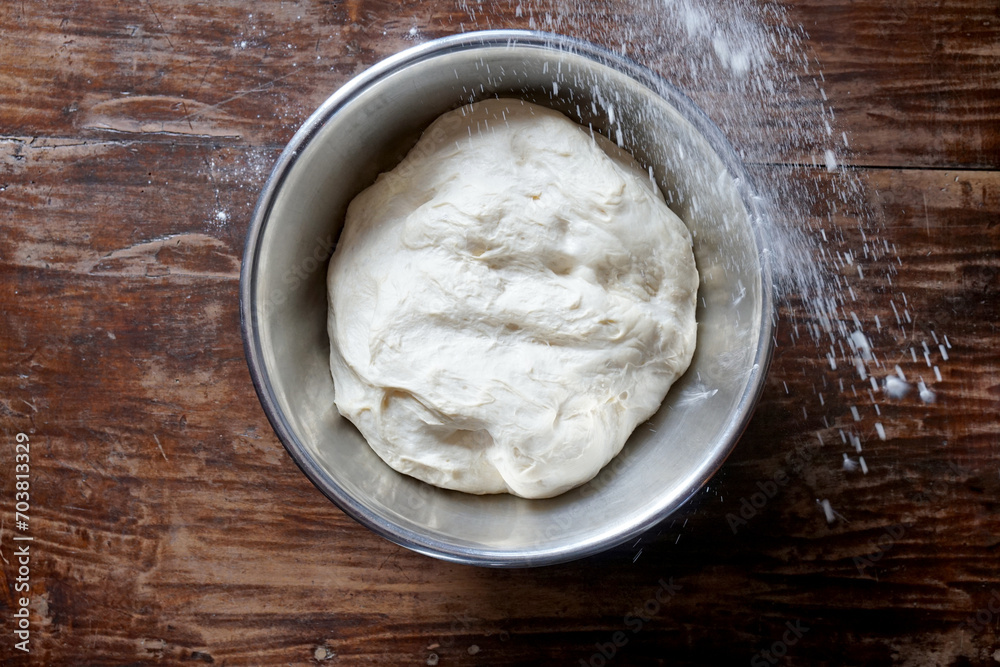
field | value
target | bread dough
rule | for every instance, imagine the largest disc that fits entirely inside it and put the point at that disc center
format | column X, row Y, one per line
column 508, row 303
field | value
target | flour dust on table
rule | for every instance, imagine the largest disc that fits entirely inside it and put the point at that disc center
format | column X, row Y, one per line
column 748, row 67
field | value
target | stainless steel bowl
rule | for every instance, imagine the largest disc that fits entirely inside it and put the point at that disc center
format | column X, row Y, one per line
column 366, row 127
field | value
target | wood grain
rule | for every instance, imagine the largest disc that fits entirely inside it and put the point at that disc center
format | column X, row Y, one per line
column 170, row 526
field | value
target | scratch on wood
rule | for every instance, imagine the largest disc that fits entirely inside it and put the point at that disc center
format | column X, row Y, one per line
column 22, row 147
column 144, row 257
column 251, row 91
column 160, row 448
column 201, row 82
column 927, row 219
column 160, row 25
column 157, row 114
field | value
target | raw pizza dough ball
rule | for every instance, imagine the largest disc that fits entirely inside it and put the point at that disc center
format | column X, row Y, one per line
column 508, row 303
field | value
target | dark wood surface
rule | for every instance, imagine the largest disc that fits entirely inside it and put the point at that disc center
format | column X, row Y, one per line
column 169, row 525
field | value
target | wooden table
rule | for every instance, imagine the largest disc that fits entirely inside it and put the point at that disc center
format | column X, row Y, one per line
column 168, row 523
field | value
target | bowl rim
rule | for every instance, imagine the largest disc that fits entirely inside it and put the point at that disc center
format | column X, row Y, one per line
column 249, row 321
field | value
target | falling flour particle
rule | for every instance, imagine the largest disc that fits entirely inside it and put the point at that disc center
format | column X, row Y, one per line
column 896, row 388
column 763, row 62
column 862, row 344
column 827, row 510
column 831, row 160
column 926, row 395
